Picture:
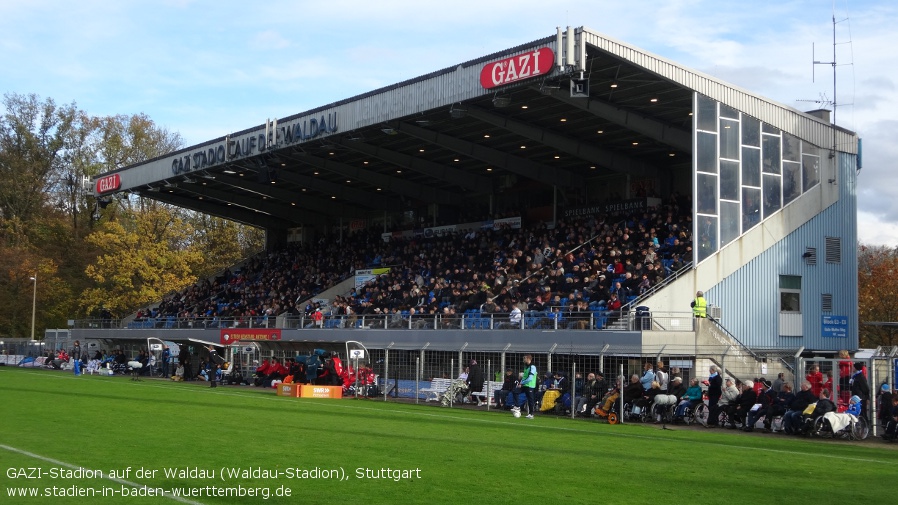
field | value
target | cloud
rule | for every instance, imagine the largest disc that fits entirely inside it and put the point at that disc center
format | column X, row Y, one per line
column 206, row 71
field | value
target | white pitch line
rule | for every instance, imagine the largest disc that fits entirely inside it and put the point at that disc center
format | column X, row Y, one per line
column 70, row 466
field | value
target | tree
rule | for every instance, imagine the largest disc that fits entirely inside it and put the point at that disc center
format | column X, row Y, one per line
column 126, row 140
column 224, row 242
column 33, row 137
column 143, row 256
column 877, row 294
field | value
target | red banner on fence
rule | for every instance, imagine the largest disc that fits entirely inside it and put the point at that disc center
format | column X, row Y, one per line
column 231, row 335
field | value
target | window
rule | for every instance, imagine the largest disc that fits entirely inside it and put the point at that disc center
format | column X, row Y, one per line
column 790, row 294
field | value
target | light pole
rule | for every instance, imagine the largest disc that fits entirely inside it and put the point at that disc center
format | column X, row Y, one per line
column 33, row 305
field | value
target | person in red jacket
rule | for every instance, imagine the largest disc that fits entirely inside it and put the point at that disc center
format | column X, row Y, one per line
column 261, row 372
column 816, row 379
column 845, row 369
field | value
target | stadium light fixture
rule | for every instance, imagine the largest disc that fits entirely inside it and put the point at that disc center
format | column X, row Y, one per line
column 457, row 113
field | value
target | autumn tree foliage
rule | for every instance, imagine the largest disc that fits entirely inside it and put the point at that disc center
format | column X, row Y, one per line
column 877, row 295
column 143, row 256
column 120, row 255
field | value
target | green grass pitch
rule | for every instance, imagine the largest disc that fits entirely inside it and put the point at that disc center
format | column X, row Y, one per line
column 189, row 443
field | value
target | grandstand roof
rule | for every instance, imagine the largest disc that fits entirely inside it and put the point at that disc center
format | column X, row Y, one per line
column 444, row 137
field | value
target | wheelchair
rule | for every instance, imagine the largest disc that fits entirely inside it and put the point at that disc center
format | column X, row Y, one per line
column 697, row 414
column 727, row 417
column 666, row 413
column 858, row 430
column 630, row 412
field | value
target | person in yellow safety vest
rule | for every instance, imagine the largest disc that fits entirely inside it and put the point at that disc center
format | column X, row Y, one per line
column 699, row 305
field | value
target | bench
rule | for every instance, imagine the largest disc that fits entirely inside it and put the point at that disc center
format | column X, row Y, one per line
column 437, row 387
column 11, row 359
column 486, row 395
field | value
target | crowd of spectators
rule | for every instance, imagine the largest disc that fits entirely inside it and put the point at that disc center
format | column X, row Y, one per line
column 580, row 265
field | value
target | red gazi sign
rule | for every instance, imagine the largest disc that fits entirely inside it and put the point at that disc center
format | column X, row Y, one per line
column 108, row 183
column 517, row 68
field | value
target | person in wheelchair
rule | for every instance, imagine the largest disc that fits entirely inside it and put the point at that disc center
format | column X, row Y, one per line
column 823, row 406
column 885, row 404
column 792, row 419
column 835, row 423
column 690, row 399
column 891, row 433
column 728, row 396
column 648, row 397
column 612, row 396
column 677, row 388
column 634, row 390
column 665, row 402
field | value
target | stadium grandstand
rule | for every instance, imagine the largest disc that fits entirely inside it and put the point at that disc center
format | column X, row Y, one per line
column 570, row 193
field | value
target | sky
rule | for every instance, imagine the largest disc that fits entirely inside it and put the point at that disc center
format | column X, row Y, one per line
column 208, row 68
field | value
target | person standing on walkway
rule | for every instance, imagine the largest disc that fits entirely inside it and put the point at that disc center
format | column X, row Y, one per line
column 699, row 305
column 528, row 385
column 76, row 358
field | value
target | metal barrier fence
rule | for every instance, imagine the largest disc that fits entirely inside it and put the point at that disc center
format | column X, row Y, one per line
column 552, row 318
column 425, row 375
column 410, row 375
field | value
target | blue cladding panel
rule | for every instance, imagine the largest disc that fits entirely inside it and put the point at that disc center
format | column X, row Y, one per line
column 750, row 296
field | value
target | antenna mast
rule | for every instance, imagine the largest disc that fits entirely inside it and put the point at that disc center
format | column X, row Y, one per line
column 823, row 100
column 831, row 63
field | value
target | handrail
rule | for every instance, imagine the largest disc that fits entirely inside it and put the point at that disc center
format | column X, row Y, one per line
column 741, row 345
column 664, row 282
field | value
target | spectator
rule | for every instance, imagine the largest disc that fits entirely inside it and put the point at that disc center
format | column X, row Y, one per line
column 824, row 404
column 179, row 373
column 76, row 358
column 891, row 432
column 62, row 357
column 634, row 389
column 715, row 387
column 727, row 398
column 779, row 382
column 648, row 376
column 676, row 388
column 648, row 397
column 662, row 377
column 885, row 404
column 610, row 398
column 166, row 361
column 778, row 406
column 793, row 417
column 690, row 399
column 845, row 367
column 816, row 379
column 859, row 386
column 474, row 382
column 593, row 388
column 743, row 404
column 761, row 409
column 514, row 318
column 509, row 384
